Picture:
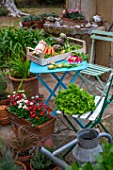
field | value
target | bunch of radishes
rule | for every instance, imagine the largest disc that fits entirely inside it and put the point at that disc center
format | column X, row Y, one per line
column 74, row 59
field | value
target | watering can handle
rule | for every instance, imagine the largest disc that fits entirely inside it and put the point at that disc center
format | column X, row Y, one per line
column 107, row 135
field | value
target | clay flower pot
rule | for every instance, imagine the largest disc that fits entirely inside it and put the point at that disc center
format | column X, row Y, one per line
column 38, row 24
column 4, row 118
column 30, row 85
column 23, row 167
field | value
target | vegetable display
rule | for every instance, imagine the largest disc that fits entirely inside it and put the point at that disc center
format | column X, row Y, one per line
column 53, row 46
column 74, row 100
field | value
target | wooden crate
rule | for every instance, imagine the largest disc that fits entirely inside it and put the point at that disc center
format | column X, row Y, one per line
column 42, row 61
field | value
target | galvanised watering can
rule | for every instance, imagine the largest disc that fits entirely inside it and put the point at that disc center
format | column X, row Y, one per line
column 87, row 145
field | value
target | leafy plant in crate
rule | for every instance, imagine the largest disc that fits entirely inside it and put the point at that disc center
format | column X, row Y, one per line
column 74, row 100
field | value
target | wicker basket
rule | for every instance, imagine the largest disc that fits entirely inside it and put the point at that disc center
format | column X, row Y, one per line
column 43, row 61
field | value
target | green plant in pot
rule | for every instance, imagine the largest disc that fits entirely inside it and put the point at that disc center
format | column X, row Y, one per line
column 37, row 21
column 74, row 100
column 19, row 74
column 7, row 162
column 26, row 21
column 22, row 143
column 40, row 162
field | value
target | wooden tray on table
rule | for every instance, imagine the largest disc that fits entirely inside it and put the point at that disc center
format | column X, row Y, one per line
column 42, row 61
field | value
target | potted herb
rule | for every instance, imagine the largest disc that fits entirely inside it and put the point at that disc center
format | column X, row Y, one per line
column 20, row 75
column 33, row 113
column 7, row 161
column 22, row 144
column 74, row 100
column 40, row 162
column 37, row 21
column 26, row 21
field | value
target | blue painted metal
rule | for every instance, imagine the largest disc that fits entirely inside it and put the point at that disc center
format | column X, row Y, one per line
column 38, row 69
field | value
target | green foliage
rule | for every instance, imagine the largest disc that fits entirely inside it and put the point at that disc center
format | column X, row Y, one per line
column 3, row 11
column 26, row 19
column 82, row 55
column 73, row 14
column 74, row 100
column 19, row 66
column 13, row 43
column 40, row 162
column 7, row 162
column 36, row 18
column 15, row 40
column 6, row 158
column 3, row 86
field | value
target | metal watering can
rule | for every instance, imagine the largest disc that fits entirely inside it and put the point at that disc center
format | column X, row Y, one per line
column 86, row 146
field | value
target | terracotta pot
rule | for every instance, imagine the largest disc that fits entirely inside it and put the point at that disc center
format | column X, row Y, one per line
column 27, row 24
column 44, row 131
column 21, row 165
column 30, row 85
column 38, row 24
column 4, row 118
column 25, row 160
column 55, row 168
column 4, row 102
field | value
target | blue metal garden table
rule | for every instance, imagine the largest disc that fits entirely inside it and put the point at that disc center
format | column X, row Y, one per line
column 38, row 69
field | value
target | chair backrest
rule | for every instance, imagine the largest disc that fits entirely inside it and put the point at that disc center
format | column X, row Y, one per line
column 103, row 101
column 102, row 36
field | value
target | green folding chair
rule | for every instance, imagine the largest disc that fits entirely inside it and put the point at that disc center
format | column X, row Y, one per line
column 94, row 70
column 92, row 119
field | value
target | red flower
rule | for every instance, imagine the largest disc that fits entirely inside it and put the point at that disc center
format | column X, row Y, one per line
column 42, row 113
column 36, row 117
column 39, row 99
column 49, row 109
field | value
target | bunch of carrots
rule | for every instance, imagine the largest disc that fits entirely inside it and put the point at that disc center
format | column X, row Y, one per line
column 49, row 50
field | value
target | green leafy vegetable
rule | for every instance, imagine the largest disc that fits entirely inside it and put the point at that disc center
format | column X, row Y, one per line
column 82, row 55
column 74, row 100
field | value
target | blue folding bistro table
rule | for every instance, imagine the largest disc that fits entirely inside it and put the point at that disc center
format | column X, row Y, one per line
column 38, row 69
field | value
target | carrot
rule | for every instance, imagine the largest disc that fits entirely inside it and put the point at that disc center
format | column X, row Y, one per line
column 45, row 50
column 52, row 51
column 49, row 50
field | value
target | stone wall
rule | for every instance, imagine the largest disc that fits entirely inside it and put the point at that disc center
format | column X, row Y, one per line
column 103, row 50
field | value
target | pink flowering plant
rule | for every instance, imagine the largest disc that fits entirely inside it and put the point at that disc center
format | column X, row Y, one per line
column 73, row 14
column 33, row 110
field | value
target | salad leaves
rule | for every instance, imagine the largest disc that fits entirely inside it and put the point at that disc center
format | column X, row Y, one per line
column 74, row 100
